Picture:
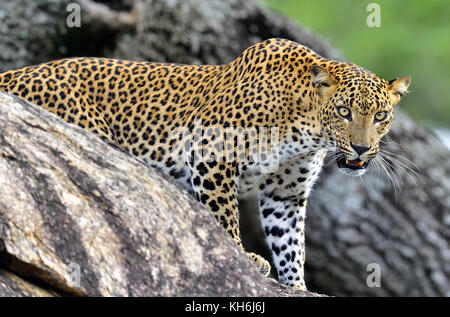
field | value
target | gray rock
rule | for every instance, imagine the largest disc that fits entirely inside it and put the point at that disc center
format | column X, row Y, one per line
column 351, row 223
column 12, row 285
column 87, row 219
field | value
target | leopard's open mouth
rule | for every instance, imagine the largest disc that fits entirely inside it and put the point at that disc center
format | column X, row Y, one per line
column 357, row 164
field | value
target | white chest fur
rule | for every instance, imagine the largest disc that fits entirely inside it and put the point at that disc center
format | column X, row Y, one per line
column 294, row 177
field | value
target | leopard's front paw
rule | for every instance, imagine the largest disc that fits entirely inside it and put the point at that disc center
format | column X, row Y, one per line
column 301, row 287
column 262, row 264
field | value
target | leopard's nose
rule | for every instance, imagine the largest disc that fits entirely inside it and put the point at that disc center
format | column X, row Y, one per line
column 360, row 149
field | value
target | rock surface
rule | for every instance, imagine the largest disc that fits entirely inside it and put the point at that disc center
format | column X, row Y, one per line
column 13, row 286
column 401, row 223
column 182, row 31
column 406, row 231
column 351, row 223
column 83, row 218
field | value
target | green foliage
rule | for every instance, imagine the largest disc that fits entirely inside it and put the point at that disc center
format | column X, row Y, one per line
column 413, row 40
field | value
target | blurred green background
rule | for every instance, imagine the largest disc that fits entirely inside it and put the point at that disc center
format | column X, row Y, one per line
column 413, row 40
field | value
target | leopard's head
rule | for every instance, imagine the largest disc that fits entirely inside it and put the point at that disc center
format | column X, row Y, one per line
column 356, row 111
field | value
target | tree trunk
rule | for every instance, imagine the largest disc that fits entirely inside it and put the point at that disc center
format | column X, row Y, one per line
column 351, row 222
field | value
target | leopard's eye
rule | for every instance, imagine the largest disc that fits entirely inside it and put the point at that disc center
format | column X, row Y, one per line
column 381, row 116
column 344, row 112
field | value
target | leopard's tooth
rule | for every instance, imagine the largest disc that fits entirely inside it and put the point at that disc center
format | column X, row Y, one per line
column 360, row 163
column 347, row 162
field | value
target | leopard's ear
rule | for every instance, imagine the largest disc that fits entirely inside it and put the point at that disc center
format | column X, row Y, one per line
column 322, row 81
column 397, row 87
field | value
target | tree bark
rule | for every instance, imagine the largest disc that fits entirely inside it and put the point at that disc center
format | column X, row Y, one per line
column 351, row 222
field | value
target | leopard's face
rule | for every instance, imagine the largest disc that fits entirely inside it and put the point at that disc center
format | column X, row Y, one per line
column 357, row 111
column 357, row 129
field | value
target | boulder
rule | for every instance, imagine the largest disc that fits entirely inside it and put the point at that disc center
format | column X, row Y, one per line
column 80, row 217
column 352, row 223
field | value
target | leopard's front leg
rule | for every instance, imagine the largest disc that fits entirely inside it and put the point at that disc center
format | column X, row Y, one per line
column 214, row 185
column 283, row 220
column 282, row 207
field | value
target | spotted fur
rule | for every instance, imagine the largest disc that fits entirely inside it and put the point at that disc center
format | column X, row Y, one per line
column 174, row 117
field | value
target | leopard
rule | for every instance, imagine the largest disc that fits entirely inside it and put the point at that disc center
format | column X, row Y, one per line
column 259, row 126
